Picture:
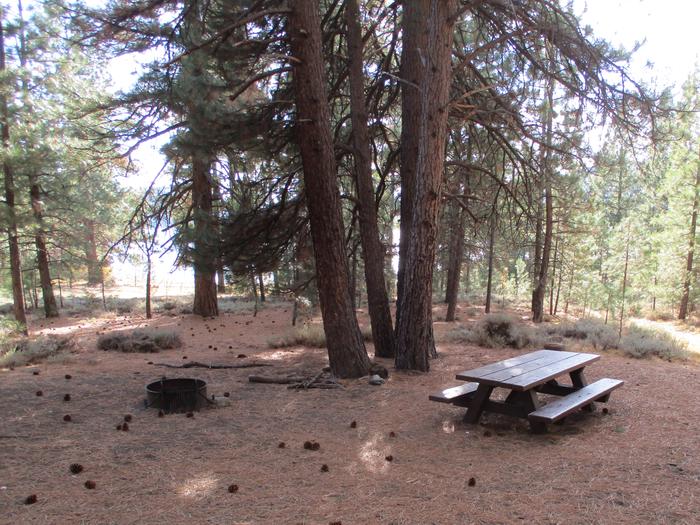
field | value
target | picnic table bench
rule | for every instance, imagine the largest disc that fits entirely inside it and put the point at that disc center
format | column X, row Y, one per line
column 526, row 376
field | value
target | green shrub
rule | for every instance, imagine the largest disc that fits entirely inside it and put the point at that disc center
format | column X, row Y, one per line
column 496, row 331
column 139, row 341
column 310, row 335
column 26, row 351
column 644, row 342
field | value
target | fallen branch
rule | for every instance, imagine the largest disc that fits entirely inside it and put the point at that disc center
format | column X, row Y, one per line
column 308, row 383
column 328, row 384
column 195, row 364
column 275, row 380
column 300, row 383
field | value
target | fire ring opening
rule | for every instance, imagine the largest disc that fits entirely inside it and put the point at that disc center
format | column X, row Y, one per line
column 177, row 395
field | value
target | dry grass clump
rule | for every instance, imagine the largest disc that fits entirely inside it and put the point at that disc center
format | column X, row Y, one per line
column 659, row 315
column 636, row 342
column 473, row 311
column 600, row 335
column 310, row 335
column 496, row 331
column 234, row 305
column 24, row 352
column 643, row 342
column 139, row 341
column 125, row 306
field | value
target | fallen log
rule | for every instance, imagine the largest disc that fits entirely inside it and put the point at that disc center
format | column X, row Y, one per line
column 322, row 385
column 195, row 364
column 275, row 380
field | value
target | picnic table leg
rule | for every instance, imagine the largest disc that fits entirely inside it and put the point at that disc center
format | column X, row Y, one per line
column 529, row 401
column 579, row 381
column 476, row 407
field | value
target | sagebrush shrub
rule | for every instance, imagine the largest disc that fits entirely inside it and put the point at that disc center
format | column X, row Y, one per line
column 644, row 342
column 25, row 351
column 141, row 340
column 496, row 331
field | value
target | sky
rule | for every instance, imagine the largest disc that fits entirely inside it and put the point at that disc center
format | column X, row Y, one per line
column 668, row 30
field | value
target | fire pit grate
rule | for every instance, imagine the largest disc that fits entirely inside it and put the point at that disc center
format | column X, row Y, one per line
column 177, row 395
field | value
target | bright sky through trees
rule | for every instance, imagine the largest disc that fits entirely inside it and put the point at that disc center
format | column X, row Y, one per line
column 667, row 28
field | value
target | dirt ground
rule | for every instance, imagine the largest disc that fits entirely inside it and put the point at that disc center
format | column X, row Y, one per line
column 639, row 463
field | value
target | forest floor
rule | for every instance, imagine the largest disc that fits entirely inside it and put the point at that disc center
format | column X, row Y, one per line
column 636, row 464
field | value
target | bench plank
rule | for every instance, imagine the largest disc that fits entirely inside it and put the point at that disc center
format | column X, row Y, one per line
column 566, row 405
column 455, row 394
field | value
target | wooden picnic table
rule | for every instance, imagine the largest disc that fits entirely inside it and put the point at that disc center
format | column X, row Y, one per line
column 526, row 376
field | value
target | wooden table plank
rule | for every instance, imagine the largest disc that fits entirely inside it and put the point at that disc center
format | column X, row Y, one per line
column 529, row 370
column 530, row 366
column 507, row 363
column 542, row 375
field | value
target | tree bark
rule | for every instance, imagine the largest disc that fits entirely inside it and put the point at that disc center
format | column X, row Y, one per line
column 205, row 248
column 261, row 284
column 372, row 250
column 489, row 281
column 538, row 293
column 414, row 41
column 149, row 314
column 624, row 281
column 571, row 287
column 424, row 126
column 220, row 280
column 556, row 298
column 12, row 239
column 683, row 309
column 42, row 257
column 93, row 264
column 346, row 349
column 454, row 265
column 555, row 261
column 537, row 258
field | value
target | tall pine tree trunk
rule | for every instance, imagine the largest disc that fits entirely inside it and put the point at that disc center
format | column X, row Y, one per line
column 489, row 279
column 555, row 261
column 430, row 73
column 93, row 264
column 372, row 250
column 414, row 40
column 261, row 284
column 205, row 257
column 220, row 279
column 683, row 310
column 454, row 264
column 539, row 292
column 346, row 349
column 624, row 281
column 12, row 240
column 537, row 257
column 149, row 314
column 42, row 256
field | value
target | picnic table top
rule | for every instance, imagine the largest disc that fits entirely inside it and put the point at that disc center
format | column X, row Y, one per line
column 528, row 370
